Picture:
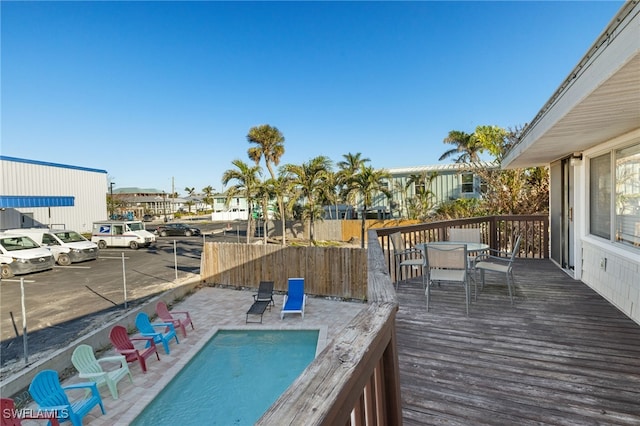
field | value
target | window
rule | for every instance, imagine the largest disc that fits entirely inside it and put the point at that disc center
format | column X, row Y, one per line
column 467, row 183
column 49, row 240
column 614, row 195
column 600, row 199
column 627, row 207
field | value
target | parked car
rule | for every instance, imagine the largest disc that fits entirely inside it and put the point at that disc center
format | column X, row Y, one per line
column 177, row 229
column 19, row 254
column 118, row 233
column 147, row 218
column 66, row 246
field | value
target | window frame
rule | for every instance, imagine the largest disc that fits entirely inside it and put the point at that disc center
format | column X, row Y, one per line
column 613, row 230
column 464, row 184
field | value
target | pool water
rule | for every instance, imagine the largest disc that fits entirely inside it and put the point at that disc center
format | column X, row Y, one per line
column 233, row 379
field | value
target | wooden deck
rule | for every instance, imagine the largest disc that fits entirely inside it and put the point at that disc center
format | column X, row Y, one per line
column 561, row 355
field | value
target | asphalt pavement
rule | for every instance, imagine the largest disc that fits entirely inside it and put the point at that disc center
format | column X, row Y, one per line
column 65, row 302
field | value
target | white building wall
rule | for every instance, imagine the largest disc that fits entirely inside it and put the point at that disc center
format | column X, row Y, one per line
column 32, row 178
column 611, row 269
column 614, row 275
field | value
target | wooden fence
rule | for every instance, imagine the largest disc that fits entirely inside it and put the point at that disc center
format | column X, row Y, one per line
column 328, row 271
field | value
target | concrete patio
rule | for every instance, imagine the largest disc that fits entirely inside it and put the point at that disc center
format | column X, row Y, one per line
column 211, row 309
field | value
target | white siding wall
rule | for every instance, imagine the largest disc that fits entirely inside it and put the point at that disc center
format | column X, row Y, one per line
column 89, row 188
column 618, row 281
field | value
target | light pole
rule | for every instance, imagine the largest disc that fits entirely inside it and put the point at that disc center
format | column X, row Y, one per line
column 112, row 203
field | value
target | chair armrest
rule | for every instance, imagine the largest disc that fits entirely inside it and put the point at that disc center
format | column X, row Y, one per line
column 499, row 253
column 81, row 386
column 487, row 257
column 408, row 252
column 168, row 325
column 181, row 313
column 91, row 375
column 130, row 351
column 163, row 324
column 146, row 339
column 115, row 358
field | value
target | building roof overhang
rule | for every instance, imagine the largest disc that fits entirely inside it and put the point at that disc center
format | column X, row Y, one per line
column 598, row 101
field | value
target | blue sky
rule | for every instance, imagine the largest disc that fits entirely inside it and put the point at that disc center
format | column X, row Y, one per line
column 162, row 92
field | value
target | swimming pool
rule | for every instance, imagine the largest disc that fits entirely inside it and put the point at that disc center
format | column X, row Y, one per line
column 233, row 379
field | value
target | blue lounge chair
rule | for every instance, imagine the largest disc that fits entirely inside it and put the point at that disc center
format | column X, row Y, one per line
column 49, row 394
column 295, row 299
column 147, row 329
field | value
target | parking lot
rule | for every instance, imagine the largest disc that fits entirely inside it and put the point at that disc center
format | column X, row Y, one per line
column 66, row 301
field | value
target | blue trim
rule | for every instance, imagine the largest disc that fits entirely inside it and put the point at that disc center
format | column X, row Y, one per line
column 44, row 163
column 16, row 201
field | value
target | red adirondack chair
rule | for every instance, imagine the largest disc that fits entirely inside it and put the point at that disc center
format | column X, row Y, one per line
column 13, row 417
column 166, row 316
column 123, row 344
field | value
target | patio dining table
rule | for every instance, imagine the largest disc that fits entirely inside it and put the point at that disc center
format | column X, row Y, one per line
column 471, row 247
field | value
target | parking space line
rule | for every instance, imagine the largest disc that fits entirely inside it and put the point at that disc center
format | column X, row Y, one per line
column 9, row 280
column 109, row 257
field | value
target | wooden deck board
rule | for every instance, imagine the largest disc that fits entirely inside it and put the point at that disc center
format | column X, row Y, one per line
column 561, row 355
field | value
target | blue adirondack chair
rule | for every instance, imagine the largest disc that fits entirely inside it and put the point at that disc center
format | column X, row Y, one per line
column 295, row 299
column 161, row 332
column 49, row 394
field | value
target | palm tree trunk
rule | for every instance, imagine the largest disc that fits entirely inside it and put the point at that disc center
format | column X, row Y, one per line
column 364, row 221
column 249, row 220
column 283, row 220
column 265, row 218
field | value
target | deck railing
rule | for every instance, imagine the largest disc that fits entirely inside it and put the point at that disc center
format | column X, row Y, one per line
column 497, row 231
column 355, row 380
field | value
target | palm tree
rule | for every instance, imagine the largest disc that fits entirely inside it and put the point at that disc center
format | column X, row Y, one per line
column 466, row 145
column 309, row 182
column 331, row 195
column 347, row 168
column 350, row 165
column 352, row 162
column 247, row 182
column 190, row 192
column 208, row 195
column 423, row 201
column 367, row 183
column 270, row 145
column 401, row 189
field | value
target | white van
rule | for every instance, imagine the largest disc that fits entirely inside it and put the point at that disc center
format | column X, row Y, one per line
column 66, row 246
column 19, row 255
column 121, row 233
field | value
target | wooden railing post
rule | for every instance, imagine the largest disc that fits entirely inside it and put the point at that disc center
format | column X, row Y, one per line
column 493, row 233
